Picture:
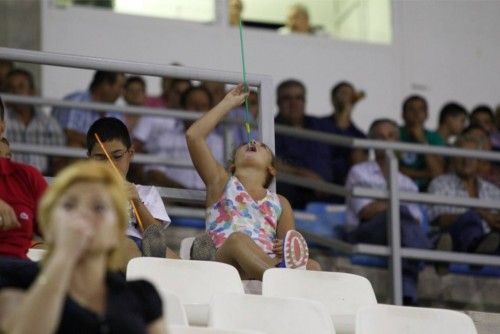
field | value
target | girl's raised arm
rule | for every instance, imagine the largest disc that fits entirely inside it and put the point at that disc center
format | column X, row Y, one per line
column 211, row 171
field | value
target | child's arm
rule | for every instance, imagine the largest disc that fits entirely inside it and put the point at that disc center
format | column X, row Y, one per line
column 147, row 218
column 286, row 222
column 211, row 172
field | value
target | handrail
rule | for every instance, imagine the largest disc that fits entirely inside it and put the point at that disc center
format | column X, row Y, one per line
column 105, row 64
column 106, row 107
column 338, row 140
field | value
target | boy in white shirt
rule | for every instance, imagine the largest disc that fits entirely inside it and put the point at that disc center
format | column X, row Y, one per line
column 116, row 140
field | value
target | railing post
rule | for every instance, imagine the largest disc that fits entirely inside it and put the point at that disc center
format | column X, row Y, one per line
column 228, row 141
column 394, row 228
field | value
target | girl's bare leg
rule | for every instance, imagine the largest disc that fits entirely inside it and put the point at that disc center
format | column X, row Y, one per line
column 313, row 265
column 241, row 251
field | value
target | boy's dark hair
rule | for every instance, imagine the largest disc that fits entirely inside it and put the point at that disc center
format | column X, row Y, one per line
column 287, row 84
column 5, row 141
column 135, row 79
column 192, row 89
column 411, row 99
column 2, row 110
column 337, row 87
column 101, row 77
column 108, row 128
column 451, row 109
column 482, row 109
column 27, row 74
column 269, row 177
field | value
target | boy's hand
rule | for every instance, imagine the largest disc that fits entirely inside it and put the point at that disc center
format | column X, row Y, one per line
column 132, row 192
column 278, row 247
column 235, row 97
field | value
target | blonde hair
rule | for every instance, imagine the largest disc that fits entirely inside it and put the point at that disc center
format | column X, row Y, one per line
column 88, row 171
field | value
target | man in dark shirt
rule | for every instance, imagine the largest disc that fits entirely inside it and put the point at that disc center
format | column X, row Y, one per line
column 297, row 156
column 343, row 98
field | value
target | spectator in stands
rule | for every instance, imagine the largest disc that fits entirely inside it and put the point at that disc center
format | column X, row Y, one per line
column 472, row 230
column 235, row 9
column 116, row 141
column 5, row 148
column 483, row 116
column 149, row 129
column 29, row 125
column 487, row 170
column 171, row 90
column 421, row 168
column 297, row 22
column 21, row 187
column 134, row 93
column 343, row 98
column 250, row 226
column 217, row 90
column 171, row 144
column 367, row 218
column 497, row 117
column 452, row 121
column 5, row 67
column 83, row 216
column 294, row 155
column 106, row 87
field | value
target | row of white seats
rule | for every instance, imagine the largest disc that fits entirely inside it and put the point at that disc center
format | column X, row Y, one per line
column 293, row 301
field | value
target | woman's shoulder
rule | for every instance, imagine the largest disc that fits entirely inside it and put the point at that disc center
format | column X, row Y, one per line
column 142, row 292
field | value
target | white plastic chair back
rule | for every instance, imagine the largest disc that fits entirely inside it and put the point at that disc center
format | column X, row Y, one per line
column 173, row 310
column 342, row 294
column 185, row 249
column 206, row 330
column 194, row 282
column 390, row 319
column 35, row 254
column 269, row 315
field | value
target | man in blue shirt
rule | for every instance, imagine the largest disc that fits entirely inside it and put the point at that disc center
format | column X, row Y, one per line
column 297, row 156
column 106, row 87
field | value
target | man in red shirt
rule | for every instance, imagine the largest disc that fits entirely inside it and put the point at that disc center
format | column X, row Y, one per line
column 21, row 187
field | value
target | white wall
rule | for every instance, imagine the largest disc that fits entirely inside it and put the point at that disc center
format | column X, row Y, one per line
column 441, row 49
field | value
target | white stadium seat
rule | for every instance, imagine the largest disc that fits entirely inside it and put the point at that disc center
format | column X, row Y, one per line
column 342, row 294
column 269, row 315
column 194, row 282
column 206, row 330
column 390, row 319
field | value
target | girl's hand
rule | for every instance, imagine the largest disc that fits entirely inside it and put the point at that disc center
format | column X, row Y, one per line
column 235, row 97
column 278, row 247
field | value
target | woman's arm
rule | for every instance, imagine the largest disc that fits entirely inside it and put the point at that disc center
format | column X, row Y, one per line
column 42, row 304
column 211, row 171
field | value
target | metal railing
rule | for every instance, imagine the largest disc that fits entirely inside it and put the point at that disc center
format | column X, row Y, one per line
column 266, row 126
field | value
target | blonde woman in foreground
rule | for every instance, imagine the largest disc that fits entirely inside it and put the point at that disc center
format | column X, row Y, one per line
column 77, row 287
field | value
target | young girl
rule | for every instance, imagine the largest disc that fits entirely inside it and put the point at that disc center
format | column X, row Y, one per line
column 251, row 227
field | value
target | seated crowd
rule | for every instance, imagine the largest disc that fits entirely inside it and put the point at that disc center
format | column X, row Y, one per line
column 248, row 224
